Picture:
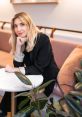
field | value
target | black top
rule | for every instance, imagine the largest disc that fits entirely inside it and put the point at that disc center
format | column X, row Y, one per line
column 40, row 61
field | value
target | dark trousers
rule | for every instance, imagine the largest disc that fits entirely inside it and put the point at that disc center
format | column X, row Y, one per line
column 5, row 105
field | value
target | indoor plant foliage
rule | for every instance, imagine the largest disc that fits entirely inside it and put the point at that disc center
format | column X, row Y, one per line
column 69, row 105
column 35, row 102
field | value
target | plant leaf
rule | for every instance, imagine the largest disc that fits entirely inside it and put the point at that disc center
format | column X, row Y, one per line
column 78, row 86
column 43, row 85
column 72, row 103
column 78, row 75
column 72, row 112
column 81, row 63
column 39, row 104
column 56, row 104
column 21, row 94
column 29, row 93
column 23, row 103
column 28, row 109
column 23, row 78
column 75, row 93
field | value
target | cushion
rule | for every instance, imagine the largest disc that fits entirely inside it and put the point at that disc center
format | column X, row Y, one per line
column 5, row 58
column 4, row 40
column 66, row 77
column 58, row 47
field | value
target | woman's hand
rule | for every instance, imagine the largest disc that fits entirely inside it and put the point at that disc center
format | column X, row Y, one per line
column 20, row 44
column 11, row 69
column 20, row 41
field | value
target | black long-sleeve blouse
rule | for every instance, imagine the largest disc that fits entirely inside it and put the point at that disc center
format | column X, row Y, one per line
column 40, row 61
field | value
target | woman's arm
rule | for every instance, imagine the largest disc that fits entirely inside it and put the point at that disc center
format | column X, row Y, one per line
column 18, row 56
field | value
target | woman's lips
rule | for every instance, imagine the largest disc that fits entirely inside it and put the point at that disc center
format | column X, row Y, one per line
column 20, row 33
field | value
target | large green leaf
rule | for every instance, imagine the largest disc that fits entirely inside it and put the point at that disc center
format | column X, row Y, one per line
column 75, row 93
column 73, row 103
column 20, row 114
column 23, row 78
column 56, row 104
column 81, row 63
column 39, row 104
column 64, row 105
column 23, row 103
column 72, row 112
column 23, row 94
column 57, row 113
column 43, row 85
column 78, row 75
column 28, row 109
column 78, row 86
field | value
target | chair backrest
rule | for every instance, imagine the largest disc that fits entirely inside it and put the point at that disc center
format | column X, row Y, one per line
column 4, row 40
column 61, row 50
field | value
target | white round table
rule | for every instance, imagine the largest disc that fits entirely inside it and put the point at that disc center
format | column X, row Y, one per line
column 11, row 83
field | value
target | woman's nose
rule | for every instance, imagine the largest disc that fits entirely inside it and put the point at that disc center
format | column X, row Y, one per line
column 18, row 28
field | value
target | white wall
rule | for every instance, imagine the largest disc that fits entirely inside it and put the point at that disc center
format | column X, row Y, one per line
column 66, row 15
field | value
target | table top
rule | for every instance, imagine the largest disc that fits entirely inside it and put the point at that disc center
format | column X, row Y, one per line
column 11, row 83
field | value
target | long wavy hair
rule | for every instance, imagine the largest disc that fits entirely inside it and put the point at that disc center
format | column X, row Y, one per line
column 31, row 34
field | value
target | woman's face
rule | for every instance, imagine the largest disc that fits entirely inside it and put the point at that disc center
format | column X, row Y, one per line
column 20, row 28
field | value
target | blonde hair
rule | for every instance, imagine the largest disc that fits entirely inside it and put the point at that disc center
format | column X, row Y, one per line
column 32, row 33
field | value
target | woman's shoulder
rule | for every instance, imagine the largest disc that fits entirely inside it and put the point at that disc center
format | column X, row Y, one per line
column 43, row 37
column 42, row 40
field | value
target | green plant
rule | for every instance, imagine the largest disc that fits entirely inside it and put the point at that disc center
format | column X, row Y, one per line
column 35, row 102
column 70, row 105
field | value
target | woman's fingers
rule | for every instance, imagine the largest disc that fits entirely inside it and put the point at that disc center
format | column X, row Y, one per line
column 9, row 69
column 21, row 41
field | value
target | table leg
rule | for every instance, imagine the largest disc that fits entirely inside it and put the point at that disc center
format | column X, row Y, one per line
column 1, row 98
column 9, row 114
column 13, row 104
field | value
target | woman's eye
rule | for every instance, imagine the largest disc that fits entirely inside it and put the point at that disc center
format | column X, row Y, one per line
column 22, row 24
column 15, row 26
column 19, row 25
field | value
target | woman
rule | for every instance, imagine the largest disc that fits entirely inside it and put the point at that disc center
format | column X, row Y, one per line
column 31, row 50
